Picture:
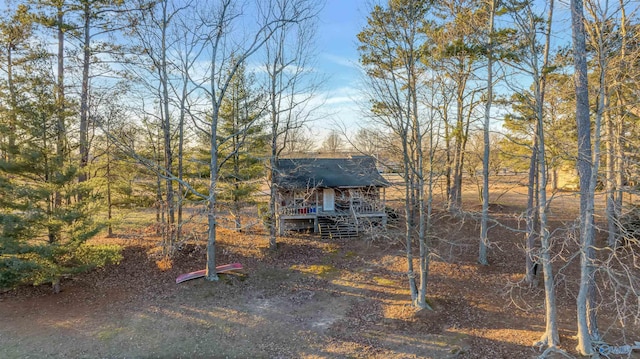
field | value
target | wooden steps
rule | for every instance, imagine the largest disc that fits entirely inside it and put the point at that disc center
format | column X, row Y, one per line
column 333, row 227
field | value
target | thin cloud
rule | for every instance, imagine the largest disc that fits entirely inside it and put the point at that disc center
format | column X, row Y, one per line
column 340, row 60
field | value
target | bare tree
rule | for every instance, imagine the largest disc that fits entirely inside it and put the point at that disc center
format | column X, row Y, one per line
column 368, row 141
column 389, row 47
column 606, row 37
column 298, row 140
column 536, row 64
column 333, row 143
column 221, row 44
column 550, row 337
column 290, row 86
column 484, row 222
column 587, row 326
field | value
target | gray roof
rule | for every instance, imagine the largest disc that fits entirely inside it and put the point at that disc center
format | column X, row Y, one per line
column 356, row 171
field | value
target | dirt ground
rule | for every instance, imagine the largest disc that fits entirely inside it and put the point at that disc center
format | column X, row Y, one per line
column 311, row 298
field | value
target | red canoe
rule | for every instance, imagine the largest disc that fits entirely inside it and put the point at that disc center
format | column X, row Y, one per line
column 201, row 273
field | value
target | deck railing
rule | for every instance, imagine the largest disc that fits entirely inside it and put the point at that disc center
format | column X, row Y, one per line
column 299, row 210
column 312, row 209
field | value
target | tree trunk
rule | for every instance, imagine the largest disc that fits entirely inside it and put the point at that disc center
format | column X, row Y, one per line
column 61, row 108
column 211, row 273
column 447, row 138
column 584, row 171
column 550, row 337
column 614, row 151
column 408, row 210
column 181, row 193
column 109, row 178
column 273, row 215
column 419, row 170
column 484, row 239
column 532, row 213
column 84, row 96
column 13, row 114
column 273, row 160
column 166, row 129
column 610, row 184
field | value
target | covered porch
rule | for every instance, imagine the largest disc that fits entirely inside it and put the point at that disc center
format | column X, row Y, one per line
column 309, row 209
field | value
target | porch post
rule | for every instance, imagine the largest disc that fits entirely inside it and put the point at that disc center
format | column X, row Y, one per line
column 384, row 197
column 384, row 207
column 351, row 192
column 315, row 212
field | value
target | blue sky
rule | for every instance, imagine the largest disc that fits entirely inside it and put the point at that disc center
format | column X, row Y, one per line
column 339, row 23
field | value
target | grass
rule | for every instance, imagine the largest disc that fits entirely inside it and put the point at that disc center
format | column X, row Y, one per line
column 109, row 333
column 384, row 281
column 324, row 271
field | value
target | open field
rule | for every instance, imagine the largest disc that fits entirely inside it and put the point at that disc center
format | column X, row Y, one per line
column 312, row 298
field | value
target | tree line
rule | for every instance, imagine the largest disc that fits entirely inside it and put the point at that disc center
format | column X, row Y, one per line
column 437, row 73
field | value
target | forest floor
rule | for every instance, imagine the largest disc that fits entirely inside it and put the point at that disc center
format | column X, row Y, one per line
column 311, row 298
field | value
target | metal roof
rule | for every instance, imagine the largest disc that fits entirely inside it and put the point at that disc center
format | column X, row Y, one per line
column 355, row 171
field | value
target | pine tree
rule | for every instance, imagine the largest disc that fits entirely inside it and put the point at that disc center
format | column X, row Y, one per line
column 242, row 143
column 43, row 227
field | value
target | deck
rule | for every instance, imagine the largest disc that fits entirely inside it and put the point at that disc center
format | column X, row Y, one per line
column 313, row 211
column 342, row 222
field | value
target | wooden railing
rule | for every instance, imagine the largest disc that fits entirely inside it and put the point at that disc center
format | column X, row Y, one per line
column 312, row 209
column 368, row 207
column 299, row 210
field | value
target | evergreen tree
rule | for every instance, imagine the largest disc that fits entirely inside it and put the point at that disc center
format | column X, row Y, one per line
column 242, row 143
column 43, row 227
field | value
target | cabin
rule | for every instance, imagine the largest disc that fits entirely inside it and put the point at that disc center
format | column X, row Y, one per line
column 336, row 197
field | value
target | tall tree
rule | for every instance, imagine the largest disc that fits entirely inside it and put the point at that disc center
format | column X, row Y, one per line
column 96, row 21
column 52, row 15
column 153, row 68
column 43, row 228
column 484, row 222
column 217, row 32
column 290, row 86
column 455, row 49
column 550, row 337
column 587, row 325
column 389, row 48
column 242, row 142
column 532, row 48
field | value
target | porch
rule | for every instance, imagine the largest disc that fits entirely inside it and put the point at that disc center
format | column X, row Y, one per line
column 331, row 212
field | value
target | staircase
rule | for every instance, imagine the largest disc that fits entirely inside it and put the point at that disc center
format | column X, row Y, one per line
column 334, row 227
